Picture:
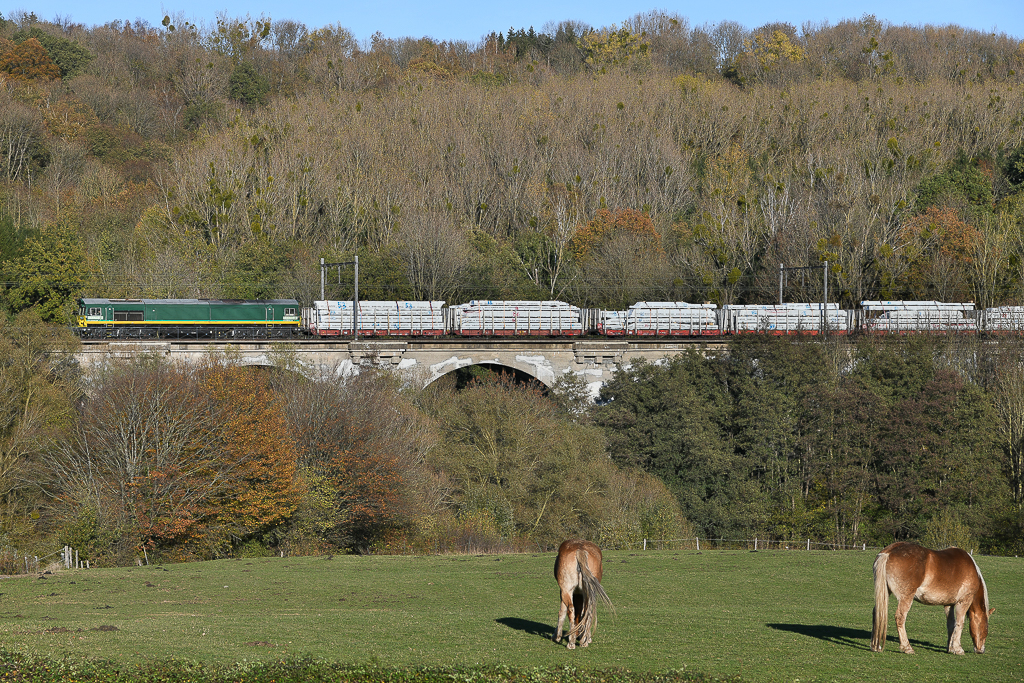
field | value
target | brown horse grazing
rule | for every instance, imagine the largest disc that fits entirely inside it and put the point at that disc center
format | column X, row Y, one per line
column 578, row 573
column 947, row 577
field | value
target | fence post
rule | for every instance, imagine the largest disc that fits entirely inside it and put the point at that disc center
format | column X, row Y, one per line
column 808, row 544
column 698, row 542
column 645, row 544
column 755, row 545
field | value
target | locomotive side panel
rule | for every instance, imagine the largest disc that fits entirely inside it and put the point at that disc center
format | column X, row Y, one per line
column 145, row 318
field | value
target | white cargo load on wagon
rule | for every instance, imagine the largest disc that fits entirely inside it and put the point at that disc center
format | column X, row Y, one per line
column 1003, row 319
column 788, row 318
column 919, row 316
column 661, row 318
column 378, row 318
column 508, row 318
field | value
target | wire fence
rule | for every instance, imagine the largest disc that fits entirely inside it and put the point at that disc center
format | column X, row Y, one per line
column 13, row 561
column 746, row 544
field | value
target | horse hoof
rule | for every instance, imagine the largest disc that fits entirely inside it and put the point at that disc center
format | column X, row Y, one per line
column 907, row 650
column 571, row 646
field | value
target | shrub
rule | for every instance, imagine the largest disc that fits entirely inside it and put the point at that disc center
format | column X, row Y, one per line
column 948, row 529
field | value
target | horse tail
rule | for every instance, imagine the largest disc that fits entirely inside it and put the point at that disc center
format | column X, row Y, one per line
column 591, row 585
column 880, row 615
column 591, row 590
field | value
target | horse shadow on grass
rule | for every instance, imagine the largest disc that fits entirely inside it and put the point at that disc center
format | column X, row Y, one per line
column 858, row 638
column 534, row 628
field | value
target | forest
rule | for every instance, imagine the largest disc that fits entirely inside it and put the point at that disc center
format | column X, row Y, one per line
column 651, row 160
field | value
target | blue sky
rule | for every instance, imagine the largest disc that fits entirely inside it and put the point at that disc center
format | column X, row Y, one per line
column 470, row 20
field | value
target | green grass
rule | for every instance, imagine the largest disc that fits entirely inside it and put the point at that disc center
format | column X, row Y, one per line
column 764, row 616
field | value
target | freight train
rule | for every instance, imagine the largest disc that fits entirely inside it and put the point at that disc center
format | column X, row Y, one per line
column 285, row 318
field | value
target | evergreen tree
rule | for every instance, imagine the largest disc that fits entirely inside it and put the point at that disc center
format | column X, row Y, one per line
column 49, row 274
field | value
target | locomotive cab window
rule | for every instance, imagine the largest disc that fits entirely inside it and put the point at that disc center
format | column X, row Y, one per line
column 289, row 311
column 95, row 312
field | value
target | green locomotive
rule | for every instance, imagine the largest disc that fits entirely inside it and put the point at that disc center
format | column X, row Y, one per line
column 196, row 318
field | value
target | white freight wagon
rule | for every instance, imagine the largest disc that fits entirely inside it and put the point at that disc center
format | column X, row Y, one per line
column 918, row 316
column 789, row 318
column 661, row 318
column 377, row 318
column 513, row 318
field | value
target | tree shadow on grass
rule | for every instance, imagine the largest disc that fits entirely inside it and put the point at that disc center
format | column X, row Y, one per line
column 858, row 638
column 534, row 628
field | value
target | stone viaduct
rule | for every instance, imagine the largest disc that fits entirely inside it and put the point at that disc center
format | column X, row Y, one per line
column 420, row 361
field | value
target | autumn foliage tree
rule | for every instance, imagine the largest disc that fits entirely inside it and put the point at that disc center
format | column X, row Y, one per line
column 938, row 249
column 28, row 61
column 620, row 252
column 259, row 490
column 607, row 225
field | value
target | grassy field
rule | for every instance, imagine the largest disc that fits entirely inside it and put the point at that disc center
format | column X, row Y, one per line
column 765, row 616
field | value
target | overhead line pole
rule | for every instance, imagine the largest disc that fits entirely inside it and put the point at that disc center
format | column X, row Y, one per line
column 355, row 293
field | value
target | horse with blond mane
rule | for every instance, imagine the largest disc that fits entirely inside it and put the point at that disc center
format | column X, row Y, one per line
column 947, row 577
column 578, row 573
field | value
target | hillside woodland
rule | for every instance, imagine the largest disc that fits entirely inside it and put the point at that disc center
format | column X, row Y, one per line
column 651, row 160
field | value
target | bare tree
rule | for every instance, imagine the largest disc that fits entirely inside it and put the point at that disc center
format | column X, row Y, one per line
column 20, row 129
column 436, row 254
column 287, row 35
